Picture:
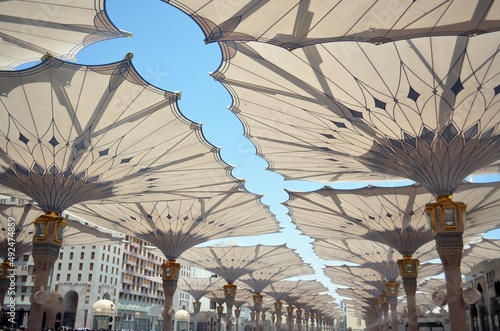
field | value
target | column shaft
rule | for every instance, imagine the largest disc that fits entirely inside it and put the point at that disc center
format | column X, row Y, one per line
column 449, row 247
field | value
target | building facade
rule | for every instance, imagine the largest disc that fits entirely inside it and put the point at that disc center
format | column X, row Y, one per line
column 127, row 274
column 485, row 313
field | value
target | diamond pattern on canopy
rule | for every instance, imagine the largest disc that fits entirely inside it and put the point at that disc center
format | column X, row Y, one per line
column 76, row 233
column 421, row 109
column 29, row 29
column 298, row 23
column 175, row 226
column 71, row 133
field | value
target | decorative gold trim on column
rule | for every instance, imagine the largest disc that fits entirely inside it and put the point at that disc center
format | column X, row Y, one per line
column 170, row 270
column 229, row 290
column 445, row 215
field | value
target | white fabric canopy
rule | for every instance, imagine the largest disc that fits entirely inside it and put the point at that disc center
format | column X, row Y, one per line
column 29, row 29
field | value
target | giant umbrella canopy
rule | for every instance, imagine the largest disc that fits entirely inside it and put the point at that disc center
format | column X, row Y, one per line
column 299, row 23
column 29, row 29
column 421, row 109
column 71, row 133
column 233, row 262
column 175, row 226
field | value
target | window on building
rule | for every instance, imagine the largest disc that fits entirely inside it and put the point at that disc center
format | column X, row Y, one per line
column 82, row 255
column 59, row 265
column 68, row 277
column 91, row 266
column 92, row 255
column 71, row 256
column 58, row 277
column 26, row 257
column 80, row 266
column 70, row 266
column 79, row 277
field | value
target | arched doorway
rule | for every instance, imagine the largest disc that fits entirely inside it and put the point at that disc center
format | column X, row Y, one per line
column 71, row 305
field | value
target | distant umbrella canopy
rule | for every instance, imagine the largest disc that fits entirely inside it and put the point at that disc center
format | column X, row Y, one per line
column 258, row 280
column 422, row 109
column 29, row 29
column 280, row 290
column 76, row 233
column 199, row 287
column 175, row 226
column 394, row 216
column 298, row 23
column 232, row 262
column 363, row 275
column 71, row 133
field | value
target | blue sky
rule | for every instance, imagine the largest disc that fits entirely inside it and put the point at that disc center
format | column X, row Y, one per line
column 169, row 52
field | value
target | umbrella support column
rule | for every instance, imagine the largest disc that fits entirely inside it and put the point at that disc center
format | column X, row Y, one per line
column 170, row 276
column 299, row 319
column 277, row 307
column 47, row 241
column 447, row 222
column 449, row 248
column 229, row 293
column 408, row 269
